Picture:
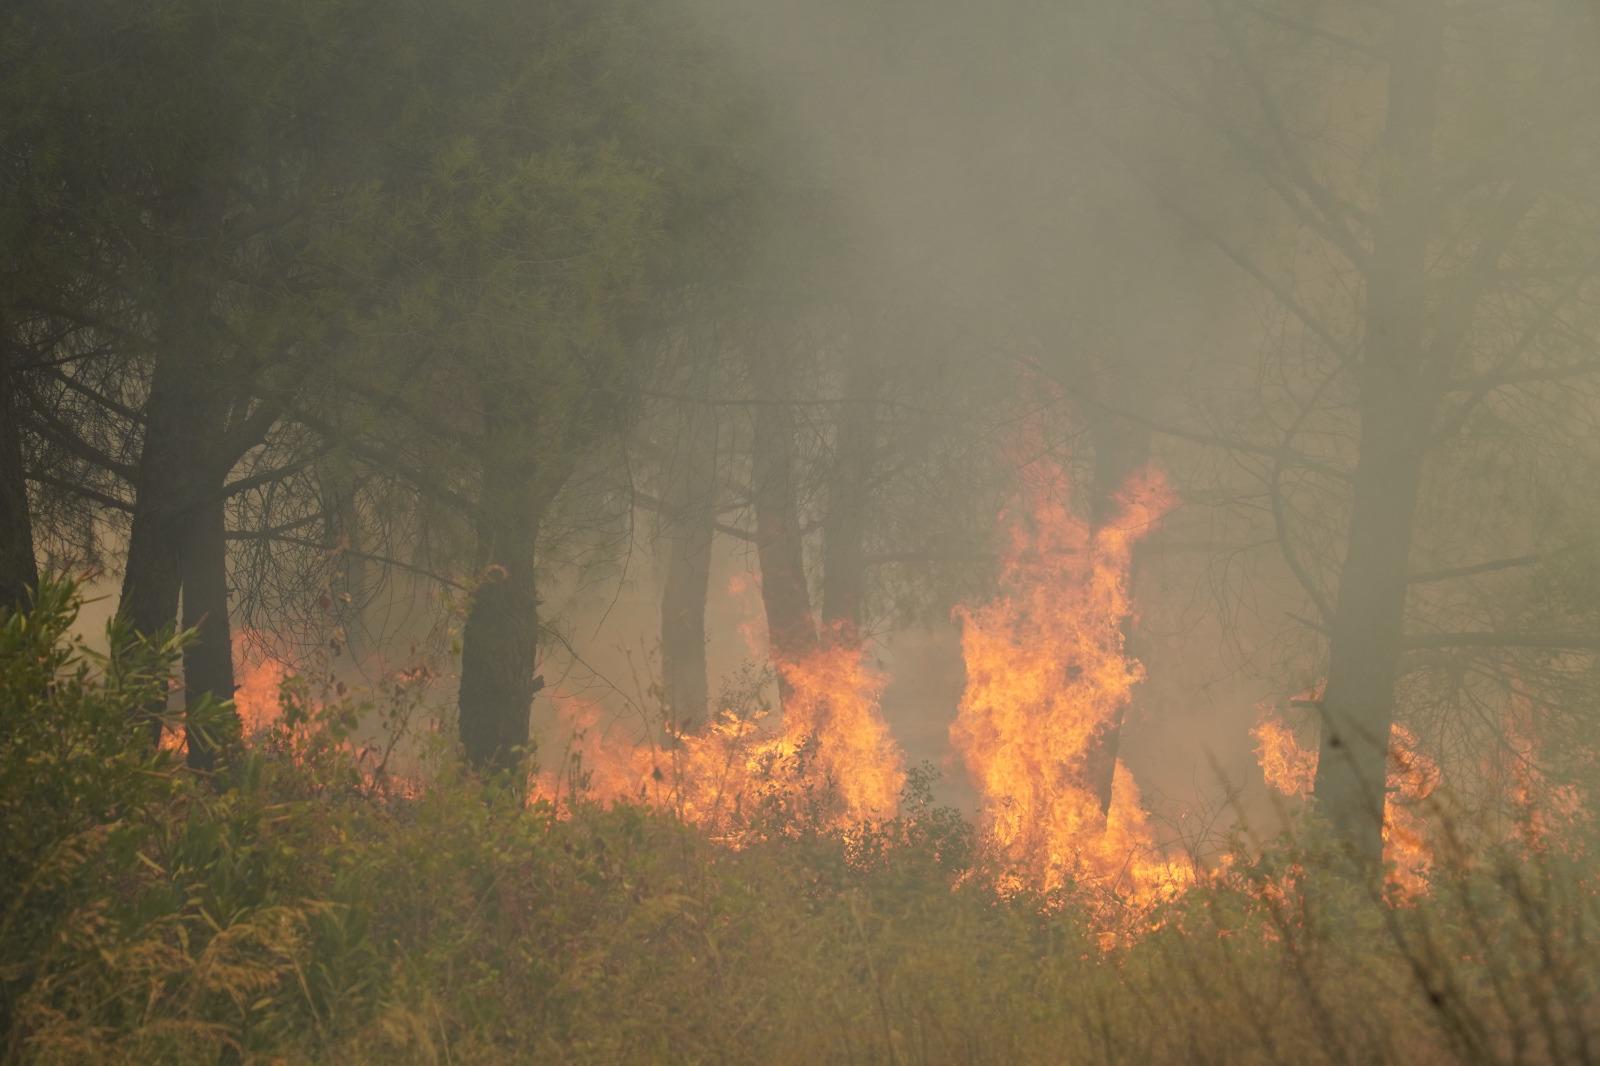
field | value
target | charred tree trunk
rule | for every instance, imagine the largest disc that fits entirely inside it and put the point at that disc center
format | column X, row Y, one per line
column 1121, row 449
column 500, row 641
column 844, row 572
column 791, row 629
column 19, row 572
column 1396, row 409
column 208, row 660
column 688, row 529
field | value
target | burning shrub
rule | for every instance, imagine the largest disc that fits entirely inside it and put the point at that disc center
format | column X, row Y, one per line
column 151, row 917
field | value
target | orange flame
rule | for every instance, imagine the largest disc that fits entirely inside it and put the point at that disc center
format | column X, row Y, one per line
column 258, row 680
column 1047, row 675
column 1412, row 778
column 255, row 693
column 1291, row 769
column 833, row 749
column 1287, row 767
column 834, row 697
column 1545, row 814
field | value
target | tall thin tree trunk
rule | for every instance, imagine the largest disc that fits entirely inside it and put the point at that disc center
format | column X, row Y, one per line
column 1396, row 410
column 183, row 390
column 152, row 577
column 500, row 641
column 844, row 571
column 19, row 571
column 688, row 530
column 791, row 628
column 208, row 660
column 1365, row 635
column 178, row 508
column 1121, row 449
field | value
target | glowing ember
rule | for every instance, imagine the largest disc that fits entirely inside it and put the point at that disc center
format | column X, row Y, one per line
column 1291, row 769
column 1046, row 675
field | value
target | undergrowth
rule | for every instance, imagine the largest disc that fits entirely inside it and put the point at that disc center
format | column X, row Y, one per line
column 295, row 909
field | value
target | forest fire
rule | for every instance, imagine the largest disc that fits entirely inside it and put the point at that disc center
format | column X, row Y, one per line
column 832, row 755
column 257, row 695
column 1544, row 814
column 1285, row 765
column 259, row 677
column 1047, row 676
column 1291, row 769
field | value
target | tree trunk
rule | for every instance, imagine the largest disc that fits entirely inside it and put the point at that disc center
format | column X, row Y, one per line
column 844, row 575
column 19, row 572
column 178, row 509
column 1396, row 410
column 183, row 390
column 688, row 529
column 1121, row 449
column 208, row 660
column 791, row 629
column 500, row 641
column 162, row 504
column 1365, row 635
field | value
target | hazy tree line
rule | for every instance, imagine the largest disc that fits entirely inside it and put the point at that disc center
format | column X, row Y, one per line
column 295, row 298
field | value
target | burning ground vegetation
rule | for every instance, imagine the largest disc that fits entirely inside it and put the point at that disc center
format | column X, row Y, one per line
column 767, row 888
column 1047, row 679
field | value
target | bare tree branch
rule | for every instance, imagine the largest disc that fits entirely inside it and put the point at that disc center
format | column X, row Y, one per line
column 1331, row 210
column 77, row 488
column 1563, row 641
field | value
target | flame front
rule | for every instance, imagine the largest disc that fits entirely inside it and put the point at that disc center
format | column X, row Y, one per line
column 833, row 755
column 1047, row 677
column 834, row 696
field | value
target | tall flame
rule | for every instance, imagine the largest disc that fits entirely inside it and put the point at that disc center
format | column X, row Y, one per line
column 1047, row 675
column 833, row 701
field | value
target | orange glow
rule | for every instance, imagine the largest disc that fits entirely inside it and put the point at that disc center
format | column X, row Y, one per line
column 1412, row 778
column 1545, row 814
column 832, row 755
column 258, row 678
column 1287, row 767
column 1046, row 676
column 1291, row 769
column 833, row 705
column 744, row 589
